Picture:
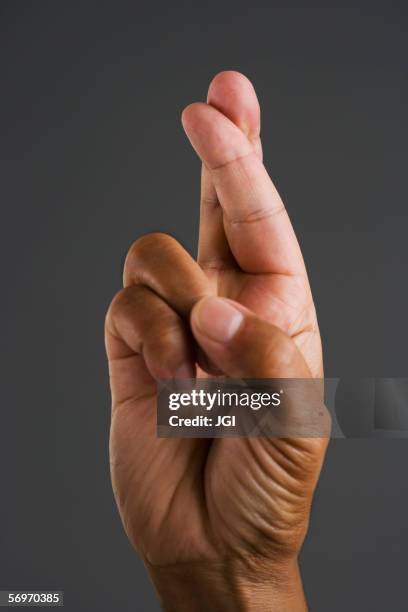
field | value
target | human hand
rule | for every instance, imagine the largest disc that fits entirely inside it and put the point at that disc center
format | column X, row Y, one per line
column 218, row 523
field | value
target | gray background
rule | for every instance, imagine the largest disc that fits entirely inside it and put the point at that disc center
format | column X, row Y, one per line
column 93, row 156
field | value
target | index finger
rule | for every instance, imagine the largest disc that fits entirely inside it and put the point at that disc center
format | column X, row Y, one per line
column 257, row 226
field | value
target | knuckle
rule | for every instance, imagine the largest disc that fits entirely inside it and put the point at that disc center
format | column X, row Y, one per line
column 123, row 301
column 149, row 242
column 115, row 308
column 144, row 249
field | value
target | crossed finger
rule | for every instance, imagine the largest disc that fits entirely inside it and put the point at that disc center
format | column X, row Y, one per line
column 251, row 222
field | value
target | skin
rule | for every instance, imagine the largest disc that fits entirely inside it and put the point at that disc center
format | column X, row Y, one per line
column 218, row 523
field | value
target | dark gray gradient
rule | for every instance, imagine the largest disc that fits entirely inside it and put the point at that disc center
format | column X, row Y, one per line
column 92, row 156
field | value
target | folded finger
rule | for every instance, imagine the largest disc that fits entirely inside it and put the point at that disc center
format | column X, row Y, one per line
column 145, row 341
column 160, row 262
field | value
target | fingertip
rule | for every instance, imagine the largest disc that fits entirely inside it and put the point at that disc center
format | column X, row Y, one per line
column 233, row 94
column 228, row 80
column 191, row 114
column 216, row 139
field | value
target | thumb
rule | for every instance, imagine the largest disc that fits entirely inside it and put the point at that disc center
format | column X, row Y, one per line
column 242, row 345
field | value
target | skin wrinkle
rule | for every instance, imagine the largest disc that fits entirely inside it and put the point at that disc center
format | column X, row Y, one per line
column 231, row 162
column 248, row 544
column 256, row 215
column 262, row 461
column 288, row 500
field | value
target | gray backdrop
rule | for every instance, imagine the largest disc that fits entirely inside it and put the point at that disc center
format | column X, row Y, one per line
column 93, row 156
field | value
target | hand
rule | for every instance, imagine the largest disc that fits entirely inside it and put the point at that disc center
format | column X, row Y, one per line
column 218, row 523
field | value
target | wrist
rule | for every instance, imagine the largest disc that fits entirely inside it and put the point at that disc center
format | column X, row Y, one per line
column 192, row 587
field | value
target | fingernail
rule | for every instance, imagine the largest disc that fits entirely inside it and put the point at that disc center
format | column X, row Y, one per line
column 218, row 319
